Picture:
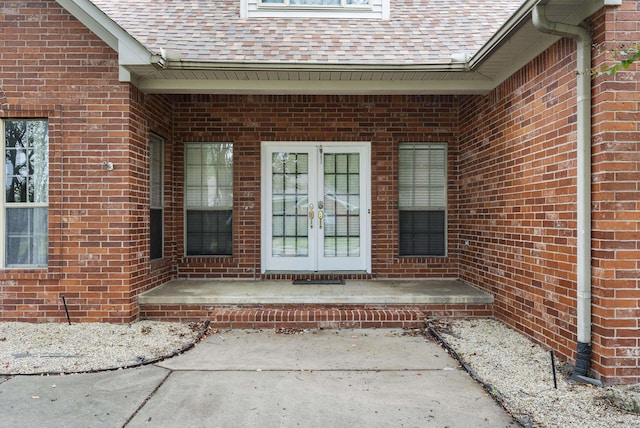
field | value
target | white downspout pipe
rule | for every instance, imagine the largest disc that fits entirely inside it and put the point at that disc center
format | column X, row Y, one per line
column 583, row 200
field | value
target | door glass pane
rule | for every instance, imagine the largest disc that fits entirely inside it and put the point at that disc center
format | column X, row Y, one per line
column 341, row 204
column 290, row 204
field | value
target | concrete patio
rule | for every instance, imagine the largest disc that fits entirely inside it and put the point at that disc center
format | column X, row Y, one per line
column 352, row 292
column 278, row 304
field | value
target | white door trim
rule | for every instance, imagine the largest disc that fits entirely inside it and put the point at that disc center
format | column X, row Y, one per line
column 284, row 264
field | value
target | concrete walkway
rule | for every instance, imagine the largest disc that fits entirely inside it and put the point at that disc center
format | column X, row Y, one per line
column 245, row 378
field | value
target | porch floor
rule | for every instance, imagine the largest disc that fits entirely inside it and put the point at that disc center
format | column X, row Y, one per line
column 221, row 292
column 280, row 303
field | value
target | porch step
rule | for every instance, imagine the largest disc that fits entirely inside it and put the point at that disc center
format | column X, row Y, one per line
column 282, row 304
column 314, row 316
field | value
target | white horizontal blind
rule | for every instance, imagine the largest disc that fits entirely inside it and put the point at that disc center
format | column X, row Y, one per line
column 156, row 171
column 423, row 176
column 209, row 175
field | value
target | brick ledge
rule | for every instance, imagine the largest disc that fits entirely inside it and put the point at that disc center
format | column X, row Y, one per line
column 314, row 316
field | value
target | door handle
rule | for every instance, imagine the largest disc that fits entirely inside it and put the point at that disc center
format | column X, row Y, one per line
column 320, row 217
column 311, row 215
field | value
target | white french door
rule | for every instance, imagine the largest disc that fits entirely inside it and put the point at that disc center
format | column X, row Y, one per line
column 316, row 206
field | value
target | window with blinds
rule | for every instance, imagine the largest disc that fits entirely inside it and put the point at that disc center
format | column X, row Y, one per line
column 156, row 221
column 422, row 199
column 209, row 198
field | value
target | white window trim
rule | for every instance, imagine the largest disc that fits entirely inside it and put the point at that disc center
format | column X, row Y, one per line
column 3, row 205
column 286, row 4
column 186, row 206
column 445, row 207
column 376, row 9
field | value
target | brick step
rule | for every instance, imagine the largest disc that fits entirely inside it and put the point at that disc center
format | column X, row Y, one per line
column 313, row 315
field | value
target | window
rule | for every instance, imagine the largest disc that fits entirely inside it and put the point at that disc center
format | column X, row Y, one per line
column 156, row 220
column 342, row 9
column 333, row 3
column 423, row 199
column 209, row 199
column 25, row 205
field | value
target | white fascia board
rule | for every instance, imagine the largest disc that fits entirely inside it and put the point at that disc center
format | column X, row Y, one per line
column 318, row 87
column 130, row 51
column 581, row 12
column 503, row 33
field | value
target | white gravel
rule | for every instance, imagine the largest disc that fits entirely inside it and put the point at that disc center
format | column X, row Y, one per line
column 61, row 348
column 519, row 374
column 517, row 371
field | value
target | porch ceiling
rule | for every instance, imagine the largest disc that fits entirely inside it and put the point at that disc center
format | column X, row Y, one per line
column 257, row 79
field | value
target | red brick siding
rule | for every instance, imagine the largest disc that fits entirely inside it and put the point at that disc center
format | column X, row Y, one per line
column 516, row 202
column 315, row 316
column 150, row 114
column 53, row 67
column 616, row 201
column 517, row 197
column 246, row 121
column 511, row 186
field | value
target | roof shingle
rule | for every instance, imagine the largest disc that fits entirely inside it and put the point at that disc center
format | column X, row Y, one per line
column 419, row 32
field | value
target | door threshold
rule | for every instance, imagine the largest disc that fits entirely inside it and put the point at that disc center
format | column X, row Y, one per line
column 316, row 272
column 311, row 281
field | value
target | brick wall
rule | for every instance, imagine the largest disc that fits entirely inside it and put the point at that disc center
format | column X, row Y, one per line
column 517, row 200
column 246, row 121
column 512, row 222
column 149, row 114
column 517, row 197
column 616, row 200
column 53, row 67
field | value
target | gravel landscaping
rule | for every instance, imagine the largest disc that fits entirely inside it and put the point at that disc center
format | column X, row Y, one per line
column 518, row 373
column 61, row 348
column 514, row 370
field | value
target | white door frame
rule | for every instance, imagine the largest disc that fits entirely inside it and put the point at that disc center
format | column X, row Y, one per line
column 315, row 262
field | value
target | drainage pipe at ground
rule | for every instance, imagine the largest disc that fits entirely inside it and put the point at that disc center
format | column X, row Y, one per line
column 583, row 199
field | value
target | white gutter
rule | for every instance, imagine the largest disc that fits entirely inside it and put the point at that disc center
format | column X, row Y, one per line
column 583, row 41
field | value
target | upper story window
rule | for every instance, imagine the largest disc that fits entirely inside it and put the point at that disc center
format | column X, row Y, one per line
column 331, row 3
column 351, row 9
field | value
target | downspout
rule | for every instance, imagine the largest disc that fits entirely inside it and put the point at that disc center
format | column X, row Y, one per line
column 583, row 200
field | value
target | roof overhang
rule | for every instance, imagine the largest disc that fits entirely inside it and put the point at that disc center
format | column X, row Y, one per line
column 130, row 51
column 514, row 45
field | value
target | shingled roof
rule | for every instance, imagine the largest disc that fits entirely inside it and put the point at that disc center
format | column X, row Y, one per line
column 418, row 32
